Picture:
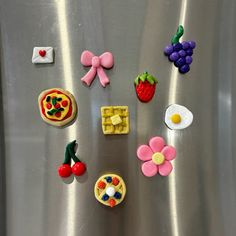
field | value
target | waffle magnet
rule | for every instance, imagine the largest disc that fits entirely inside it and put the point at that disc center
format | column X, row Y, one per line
column 115, row 119
column 110, row 190
column 42, row 55
column 57, row 106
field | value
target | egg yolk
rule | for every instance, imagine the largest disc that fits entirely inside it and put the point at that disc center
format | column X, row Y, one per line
column 176, row 118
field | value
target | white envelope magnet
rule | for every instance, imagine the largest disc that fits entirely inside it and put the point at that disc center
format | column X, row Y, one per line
column 42, row 55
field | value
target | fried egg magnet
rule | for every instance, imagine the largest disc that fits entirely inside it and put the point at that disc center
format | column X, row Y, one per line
column 178, row 117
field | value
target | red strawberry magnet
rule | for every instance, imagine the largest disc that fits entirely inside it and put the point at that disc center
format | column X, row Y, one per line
column 145, row 86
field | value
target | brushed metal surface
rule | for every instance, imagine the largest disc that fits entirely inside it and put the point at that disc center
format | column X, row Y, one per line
column 198, row 198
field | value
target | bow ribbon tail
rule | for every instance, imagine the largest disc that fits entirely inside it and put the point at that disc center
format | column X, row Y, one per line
column 89, row 77
column 104, row 80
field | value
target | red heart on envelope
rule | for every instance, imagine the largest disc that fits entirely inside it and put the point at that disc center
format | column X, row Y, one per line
column 42, row 53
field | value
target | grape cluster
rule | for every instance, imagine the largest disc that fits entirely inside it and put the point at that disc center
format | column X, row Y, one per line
column 181, row 55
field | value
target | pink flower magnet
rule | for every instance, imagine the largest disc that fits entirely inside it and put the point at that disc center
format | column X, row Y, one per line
column 157, row 157
column 97, row 63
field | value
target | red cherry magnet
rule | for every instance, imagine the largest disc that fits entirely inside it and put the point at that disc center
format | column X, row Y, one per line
column 64, row 170
column 77, row 169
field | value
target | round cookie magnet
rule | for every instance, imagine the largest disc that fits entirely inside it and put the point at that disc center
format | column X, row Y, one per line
column 180, row 53
column 145, row 86
column 65, row 169
column 178, row 117
column 97, row 64
column 57, row 106
column 110, row 190
column 156, row 156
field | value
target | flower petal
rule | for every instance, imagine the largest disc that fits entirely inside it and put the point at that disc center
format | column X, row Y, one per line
column 149, row 169
column 157, row 144
column 144, row 153
column 169, row 152
column 165, row 168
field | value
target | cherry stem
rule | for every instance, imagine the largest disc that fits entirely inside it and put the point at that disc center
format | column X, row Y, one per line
column 67, row 159
column 70, row 153
column 71, row 150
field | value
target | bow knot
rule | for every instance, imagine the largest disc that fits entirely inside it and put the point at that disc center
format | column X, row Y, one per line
column 97, row 64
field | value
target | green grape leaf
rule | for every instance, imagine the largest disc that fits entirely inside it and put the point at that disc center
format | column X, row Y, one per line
column 178, row 35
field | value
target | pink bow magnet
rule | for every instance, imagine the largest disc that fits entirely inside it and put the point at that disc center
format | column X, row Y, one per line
column 97, row 64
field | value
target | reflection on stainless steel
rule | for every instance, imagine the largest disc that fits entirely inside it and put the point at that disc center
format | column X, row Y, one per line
column 68, row 83
column 171, row 135
column 198, row 198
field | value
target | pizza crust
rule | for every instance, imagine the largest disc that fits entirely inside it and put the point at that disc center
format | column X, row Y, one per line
column 63, row 122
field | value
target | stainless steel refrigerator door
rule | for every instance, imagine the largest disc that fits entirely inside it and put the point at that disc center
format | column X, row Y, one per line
column 198, row 198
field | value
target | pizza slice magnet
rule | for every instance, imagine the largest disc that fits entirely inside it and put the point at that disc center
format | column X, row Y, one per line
column 57, row 106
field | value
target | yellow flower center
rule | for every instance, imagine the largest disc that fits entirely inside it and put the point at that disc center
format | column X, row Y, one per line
column 176, row 118
column 158, row 158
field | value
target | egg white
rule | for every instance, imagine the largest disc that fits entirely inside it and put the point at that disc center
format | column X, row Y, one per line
column 186, row 116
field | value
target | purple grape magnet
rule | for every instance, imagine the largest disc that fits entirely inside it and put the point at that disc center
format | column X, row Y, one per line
column 180, row 53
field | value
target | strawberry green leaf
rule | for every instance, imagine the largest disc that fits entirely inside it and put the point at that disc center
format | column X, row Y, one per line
column 153, row 79
column 143, row 77
column 136, row 81
column 150, row 80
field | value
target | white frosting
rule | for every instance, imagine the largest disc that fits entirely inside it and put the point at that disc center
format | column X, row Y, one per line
column 110, row 191
column 48, row 58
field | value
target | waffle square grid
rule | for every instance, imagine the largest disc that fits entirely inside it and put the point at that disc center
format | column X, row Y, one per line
column 110, row 111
